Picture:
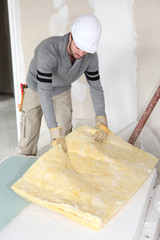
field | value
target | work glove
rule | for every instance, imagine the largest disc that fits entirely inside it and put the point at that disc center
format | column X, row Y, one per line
column 57, row 138
column 102, row 129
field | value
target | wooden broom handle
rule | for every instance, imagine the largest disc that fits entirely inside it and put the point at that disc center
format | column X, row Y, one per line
column 145, row 116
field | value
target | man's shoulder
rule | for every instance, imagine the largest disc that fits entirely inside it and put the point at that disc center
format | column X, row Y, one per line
column 94, row 57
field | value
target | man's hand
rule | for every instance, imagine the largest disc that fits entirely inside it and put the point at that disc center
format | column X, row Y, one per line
column 60, row 140
column 57, row 137
column 102, row 129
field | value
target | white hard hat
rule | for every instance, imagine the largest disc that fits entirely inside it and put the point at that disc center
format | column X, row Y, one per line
column 86, row 32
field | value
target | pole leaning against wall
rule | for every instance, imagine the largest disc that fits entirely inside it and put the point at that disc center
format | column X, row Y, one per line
column 145, row 117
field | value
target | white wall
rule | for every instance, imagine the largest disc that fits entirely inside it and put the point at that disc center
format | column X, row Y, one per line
column 116, row 51
column 118, row 60
column 147, row 19
column 118, row 63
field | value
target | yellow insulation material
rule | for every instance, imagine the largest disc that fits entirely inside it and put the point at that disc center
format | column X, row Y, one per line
column 90, row 183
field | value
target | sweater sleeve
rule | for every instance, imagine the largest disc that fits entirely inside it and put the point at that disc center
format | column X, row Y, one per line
column 45, row 66
column 96, row 90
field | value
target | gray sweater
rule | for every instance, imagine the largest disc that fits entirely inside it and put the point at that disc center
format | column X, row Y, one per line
column 51, row 72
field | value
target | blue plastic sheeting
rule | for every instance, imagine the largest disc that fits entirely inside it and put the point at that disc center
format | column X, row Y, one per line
column 11, row 169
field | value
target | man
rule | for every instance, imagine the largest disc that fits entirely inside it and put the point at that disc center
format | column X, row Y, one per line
column 57, row 63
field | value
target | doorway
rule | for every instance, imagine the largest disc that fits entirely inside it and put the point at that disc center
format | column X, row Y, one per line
column 6, row 77
column 8, row 129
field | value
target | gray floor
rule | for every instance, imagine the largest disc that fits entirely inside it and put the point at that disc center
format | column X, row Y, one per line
column 8, row 129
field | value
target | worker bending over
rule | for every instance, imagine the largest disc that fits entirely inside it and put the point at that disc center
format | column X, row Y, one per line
column 58, row 62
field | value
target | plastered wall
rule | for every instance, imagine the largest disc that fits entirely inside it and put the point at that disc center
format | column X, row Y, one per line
column 122, row 65
column 40, row 19
column 147, row 19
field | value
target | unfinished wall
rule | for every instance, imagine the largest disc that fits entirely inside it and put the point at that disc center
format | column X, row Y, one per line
column 39, row 19
column 124, row 71
column 118, row 60
column 147, row 19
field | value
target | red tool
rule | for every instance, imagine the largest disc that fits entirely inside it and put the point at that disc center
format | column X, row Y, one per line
column 145, row 116
column 22, row 86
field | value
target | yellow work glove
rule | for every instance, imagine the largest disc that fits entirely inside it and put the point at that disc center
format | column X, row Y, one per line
column 102, row 129
column 60, row 140
column 57, row 137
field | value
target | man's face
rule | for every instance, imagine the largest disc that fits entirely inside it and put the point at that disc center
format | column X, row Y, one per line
column 73, row 50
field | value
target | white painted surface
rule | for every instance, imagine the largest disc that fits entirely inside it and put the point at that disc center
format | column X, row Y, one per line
column 151, row 228
column 118, row 60
column 147, row 17
column 17, row 52
column 58, row 22
column 58, row 3
column 36, row 222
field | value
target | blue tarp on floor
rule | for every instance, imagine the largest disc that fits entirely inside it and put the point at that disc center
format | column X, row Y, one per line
column 11, row 169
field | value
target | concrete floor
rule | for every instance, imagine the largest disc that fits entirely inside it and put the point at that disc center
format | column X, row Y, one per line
column 8, row 128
